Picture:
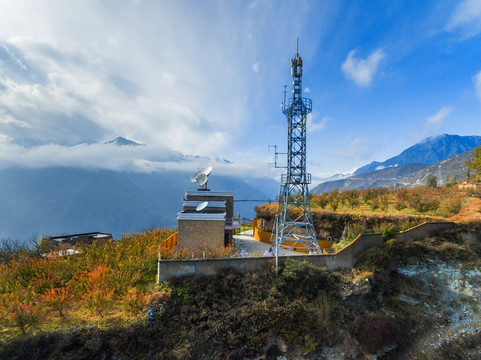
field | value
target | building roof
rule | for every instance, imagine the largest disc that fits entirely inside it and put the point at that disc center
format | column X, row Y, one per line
column 95, row 235
column 210, row 193
column 201, row 216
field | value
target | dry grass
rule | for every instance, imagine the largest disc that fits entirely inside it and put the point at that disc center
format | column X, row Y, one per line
column 469, row 213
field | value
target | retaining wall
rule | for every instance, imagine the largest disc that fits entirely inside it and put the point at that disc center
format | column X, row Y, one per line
column 346, row 257
column 423, row 231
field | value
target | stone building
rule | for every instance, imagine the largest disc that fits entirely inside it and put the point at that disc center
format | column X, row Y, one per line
column 212, row 226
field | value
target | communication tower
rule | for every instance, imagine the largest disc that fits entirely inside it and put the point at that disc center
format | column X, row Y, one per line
column 293, row 228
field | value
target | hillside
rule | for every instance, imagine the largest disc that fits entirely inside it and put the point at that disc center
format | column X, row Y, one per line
column 429, row 151
column 417, row 299
column 402, row 175
column 381, row 307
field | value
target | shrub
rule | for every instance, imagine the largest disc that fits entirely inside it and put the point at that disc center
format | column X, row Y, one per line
column 432, row 181
column 401, row 198
column 424, row 200
column 19, row 309
column 321, row 200
column 388, row 232
column 376, row 198
column 449, row 249
column 303, row 277
column 451, row 205
column 376, row 331
column 136, row 301
column 375, row 260
column 334, row 199
column 352, row 198
column 57, row 299
column 95, row 287
column 451, row 182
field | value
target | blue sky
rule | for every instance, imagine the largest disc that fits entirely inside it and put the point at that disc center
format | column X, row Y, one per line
column 206, row 78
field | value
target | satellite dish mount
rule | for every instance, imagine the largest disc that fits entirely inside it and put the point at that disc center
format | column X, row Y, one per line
column 201, row 178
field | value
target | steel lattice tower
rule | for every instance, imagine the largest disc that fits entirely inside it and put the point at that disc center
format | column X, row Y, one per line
column 294, row 227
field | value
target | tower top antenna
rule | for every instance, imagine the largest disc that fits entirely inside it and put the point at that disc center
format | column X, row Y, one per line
column 297, row 48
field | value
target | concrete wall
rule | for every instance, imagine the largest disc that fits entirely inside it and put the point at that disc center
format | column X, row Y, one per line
column 423, row 231
column 345, row 257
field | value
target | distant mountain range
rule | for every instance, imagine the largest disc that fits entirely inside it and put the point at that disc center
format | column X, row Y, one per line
column 61, row 200
column 428, row 152
column 443, row 156
column 65, row 200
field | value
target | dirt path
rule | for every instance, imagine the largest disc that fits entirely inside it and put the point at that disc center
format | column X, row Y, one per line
column 472, row 212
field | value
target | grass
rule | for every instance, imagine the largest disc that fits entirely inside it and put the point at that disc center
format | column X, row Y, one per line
column 244, row 228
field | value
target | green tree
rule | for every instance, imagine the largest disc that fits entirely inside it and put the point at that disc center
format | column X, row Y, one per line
column 352, row 198
column 475, row 163
column 432, row 181
column 334, row 199
column 321, row 200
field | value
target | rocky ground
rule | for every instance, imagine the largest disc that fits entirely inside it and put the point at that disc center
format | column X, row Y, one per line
column 453, row 294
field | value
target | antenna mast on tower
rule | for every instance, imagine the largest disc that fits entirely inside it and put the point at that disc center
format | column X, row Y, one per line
column 294, row 228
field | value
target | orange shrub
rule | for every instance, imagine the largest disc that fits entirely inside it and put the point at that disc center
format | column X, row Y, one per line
column 19, row 309
column 95, row 288
column 57, row 299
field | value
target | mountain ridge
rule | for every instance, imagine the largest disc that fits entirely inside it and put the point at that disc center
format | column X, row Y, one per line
column 402, row 176
column 428, row 151
column 66, row 200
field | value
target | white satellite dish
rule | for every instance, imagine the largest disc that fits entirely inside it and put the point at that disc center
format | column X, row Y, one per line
column 202, row 206
column 201, row 177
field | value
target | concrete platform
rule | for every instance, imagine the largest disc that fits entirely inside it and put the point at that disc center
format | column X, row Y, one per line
column 248, row 246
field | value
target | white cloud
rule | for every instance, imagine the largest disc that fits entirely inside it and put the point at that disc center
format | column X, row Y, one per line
column 438, row 118
column 7, row 119
column 307, row 90
column 143, row 159
column 313, row 126
column 71, row 98
column 73, row 73
column 70, row 86
column 362, row 71
column 466, row 18
column 477, row 84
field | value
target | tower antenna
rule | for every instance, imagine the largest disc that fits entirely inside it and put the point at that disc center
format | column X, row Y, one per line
column 294, row 228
